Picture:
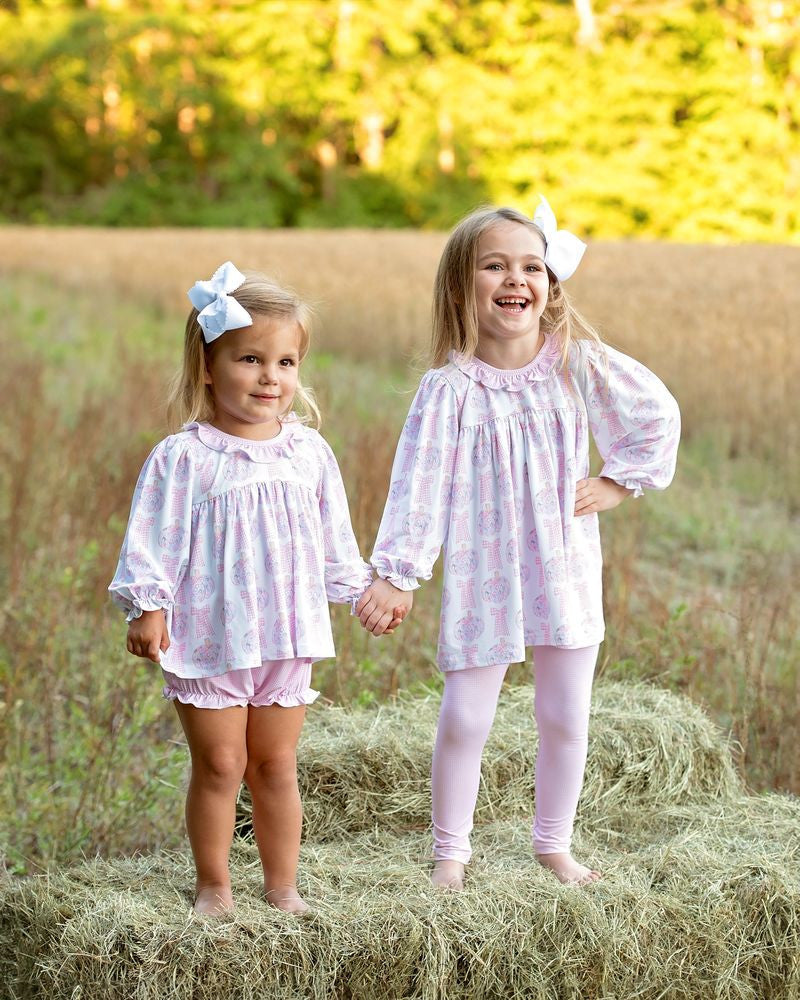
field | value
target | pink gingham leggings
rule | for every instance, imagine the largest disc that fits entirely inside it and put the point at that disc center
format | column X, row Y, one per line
column 563, row 684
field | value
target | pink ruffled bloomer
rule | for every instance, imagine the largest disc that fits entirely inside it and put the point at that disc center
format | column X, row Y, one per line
column 276, row 682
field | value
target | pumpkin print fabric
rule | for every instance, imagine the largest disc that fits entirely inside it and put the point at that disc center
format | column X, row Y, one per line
column 242, row 543
column 487, row 466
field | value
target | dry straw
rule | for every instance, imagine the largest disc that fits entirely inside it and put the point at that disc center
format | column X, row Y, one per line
column 700, row 895
column 695, row 902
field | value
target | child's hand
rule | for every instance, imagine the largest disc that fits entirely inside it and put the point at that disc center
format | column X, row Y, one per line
column 383, row 606
column 399, row 614
column 147, row 636
column 593, row 495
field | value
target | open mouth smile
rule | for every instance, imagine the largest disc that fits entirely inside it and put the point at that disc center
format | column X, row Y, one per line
column 512, row 303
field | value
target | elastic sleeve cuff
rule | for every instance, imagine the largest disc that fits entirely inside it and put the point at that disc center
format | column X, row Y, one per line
column 629, row 484
column 136, row 612
column 133, row 608
column 402, row 582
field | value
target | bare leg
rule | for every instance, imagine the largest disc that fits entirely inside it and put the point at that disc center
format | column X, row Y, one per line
column 465, row 719
column 271, row 776
column 218, row 747
column 563, row 694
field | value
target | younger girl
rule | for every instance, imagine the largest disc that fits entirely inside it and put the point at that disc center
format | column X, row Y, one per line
column 239, row 534
column 493, row 462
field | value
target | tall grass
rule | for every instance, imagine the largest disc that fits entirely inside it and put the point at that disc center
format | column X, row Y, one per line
column 699, row 581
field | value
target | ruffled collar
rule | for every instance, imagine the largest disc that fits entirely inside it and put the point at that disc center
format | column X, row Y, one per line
column 257, row 451
column 513, row 379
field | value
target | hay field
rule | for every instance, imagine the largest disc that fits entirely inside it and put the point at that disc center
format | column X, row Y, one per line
column 699, row 581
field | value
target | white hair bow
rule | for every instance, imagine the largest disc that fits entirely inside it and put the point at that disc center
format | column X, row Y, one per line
column 219, row 311
column 563, row 250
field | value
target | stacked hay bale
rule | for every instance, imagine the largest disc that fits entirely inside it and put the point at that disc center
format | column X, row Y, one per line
column 700, row 895
column 371, row 768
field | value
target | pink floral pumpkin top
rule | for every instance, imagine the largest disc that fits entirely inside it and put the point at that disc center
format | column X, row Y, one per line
column 487, row 465
column 242, row 543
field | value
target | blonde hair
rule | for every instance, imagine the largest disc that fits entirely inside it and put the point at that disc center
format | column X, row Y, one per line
column 455, row 312
column 191, row 399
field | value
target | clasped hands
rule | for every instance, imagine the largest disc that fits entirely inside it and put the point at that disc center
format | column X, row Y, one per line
column 383, row 607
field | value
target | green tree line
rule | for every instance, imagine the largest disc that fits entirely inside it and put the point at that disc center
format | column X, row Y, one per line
column 675, row 120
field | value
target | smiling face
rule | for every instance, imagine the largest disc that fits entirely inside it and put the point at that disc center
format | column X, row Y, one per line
column 252, row 374
column 511, row 286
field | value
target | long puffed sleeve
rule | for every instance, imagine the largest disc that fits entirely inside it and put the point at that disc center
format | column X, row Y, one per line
column 347, row 576
column 634, row 419
column 417, row 512
column 155, row 551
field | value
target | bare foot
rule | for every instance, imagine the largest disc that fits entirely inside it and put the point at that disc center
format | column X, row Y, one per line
column 287, row 898
column 214, row 900
column 567, row 870
column 448, row 874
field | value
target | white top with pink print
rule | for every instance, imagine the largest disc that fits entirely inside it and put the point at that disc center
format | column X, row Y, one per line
column 487, row 466
column 242, row 543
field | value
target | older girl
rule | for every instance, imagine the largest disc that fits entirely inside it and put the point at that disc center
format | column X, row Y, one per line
column 493, row 463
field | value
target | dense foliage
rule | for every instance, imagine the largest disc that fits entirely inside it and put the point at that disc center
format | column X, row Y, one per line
column 672, row 119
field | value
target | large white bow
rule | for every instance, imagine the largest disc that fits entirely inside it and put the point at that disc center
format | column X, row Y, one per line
column 219, row 311
column 563, row 250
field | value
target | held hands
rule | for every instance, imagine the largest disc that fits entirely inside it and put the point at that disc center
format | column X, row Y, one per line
column 147, row 636
column 383, row 607
column 593, row 495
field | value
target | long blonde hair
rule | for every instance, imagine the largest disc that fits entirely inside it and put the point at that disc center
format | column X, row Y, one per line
column 455, row 312
column 191, row 399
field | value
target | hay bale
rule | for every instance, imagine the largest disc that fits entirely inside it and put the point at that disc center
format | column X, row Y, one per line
column 363, row 768
column 697, row 901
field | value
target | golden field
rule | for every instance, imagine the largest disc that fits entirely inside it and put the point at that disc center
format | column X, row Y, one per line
column 720, row 325
column 700, row 582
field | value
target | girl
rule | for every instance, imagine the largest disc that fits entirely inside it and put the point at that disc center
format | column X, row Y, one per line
column 239, row 533
column 493, row 462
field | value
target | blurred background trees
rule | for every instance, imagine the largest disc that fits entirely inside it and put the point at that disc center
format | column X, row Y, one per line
column 676, row 120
